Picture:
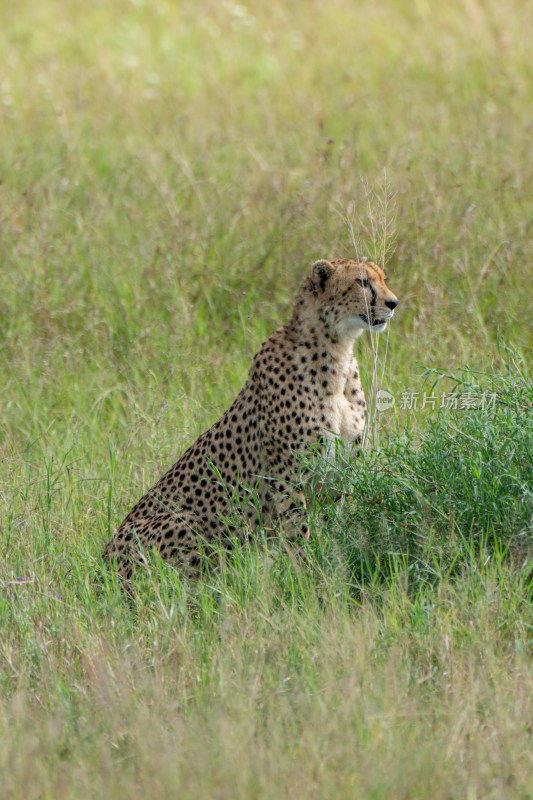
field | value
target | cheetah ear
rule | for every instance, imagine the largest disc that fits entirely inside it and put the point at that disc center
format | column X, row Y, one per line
column 320, row 273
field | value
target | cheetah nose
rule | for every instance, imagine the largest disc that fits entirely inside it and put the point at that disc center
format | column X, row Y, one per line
column 392, row 303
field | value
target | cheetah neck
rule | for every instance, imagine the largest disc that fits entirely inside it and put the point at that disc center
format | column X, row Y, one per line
column 324, row 358
column 317, row 330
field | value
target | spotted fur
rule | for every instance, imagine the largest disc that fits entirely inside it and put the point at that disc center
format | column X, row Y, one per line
column 303, row 390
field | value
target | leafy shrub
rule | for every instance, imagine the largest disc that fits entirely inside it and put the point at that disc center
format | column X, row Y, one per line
column 463, row 485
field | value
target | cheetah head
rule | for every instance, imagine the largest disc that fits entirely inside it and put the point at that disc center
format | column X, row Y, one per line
column 351, row 296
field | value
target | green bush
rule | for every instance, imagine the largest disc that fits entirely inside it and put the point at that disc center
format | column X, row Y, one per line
column 463, row 484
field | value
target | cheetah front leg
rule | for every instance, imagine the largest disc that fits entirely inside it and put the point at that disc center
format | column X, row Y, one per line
column 353, row 415
column 289, row 506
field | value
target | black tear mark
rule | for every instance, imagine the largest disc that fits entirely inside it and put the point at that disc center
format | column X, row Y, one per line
column 365, row 283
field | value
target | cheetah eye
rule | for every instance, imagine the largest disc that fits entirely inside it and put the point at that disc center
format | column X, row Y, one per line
column 364, row 282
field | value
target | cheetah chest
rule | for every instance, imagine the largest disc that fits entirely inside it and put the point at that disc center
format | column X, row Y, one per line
column 344, row 428
column 348, row 420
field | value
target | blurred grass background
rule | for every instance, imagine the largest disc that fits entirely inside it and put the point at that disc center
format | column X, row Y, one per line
column 168, row 173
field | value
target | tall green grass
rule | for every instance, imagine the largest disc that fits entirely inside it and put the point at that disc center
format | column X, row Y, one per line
column 168, row 173
column 463, row 486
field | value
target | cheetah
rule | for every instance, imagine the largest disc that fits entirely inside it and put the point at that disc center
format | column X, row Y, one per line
column 245, row 473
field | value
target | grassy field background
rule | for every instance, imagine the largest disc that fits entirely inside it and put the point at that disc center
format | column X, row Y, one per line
column 168, row 173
